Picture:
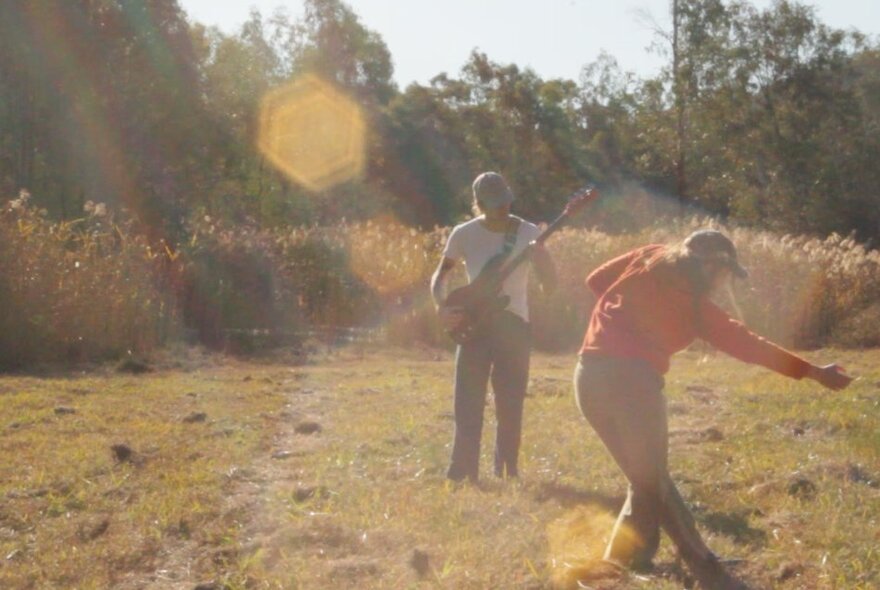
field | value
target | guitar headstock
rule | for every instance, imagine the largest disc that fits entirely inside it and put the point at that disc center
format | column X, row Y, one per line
column 580, row 198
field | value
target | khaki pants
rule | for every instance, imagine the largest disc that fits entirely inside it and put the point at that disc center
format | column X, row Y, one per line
column 623, row 401
column 502, row 356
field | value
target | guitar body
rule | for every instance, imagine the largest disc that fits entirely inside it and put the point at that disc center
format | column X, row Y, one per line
column 479, row 301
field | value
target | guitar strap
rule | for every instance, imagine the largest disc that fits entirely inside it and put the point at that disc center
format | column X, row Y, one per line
column 510, row 236
column 509, row 243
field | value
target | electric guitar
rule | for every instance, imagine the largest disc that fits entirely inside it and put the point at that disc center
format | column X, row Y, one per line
column 479, row 300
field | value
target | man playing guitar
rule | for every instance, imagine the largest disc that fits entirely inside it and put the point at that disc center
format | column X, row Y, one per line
column 500, row 350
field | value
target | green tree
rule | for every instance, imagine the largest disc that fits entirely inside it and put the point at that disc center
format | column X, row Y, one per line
column 101, row 103
column 332, row 42
column 808, row 142
column 237, row 70
column 766, row 114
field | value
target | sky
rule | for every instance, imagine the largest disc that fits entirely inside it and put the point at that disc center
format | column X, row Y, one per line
column 555, row 38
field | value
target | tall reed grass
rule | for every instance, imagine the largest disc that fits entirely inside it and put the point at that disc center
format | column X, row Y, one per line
column 81, row 289
column 803, row 292
column 95, row 288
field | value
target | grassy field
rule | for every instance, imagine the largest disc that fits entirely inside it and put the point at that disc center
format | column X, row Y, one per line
column 329, row 474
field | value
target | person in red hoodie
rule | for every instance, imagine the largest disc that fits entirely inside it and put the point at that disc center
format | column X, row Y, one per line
column 653, row 302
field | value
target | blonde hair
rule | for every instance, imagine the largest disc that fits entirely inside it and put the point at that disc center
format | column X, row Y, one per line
column 681, row 259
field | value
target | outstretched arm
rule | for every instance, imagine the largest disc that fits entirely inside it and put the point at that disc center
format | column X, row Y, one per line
column 732, row 337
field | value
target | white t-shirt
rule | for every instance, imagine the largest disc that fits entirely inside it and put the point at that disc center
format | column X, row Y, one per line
column 476, row 245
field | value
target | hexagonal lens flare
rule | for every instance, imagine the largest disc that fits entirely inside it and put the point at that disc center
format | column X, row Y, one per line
column 313, row 133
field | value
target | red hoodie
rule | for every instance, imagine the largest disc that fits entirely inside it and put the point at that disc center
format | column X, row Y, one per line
column 650, row 312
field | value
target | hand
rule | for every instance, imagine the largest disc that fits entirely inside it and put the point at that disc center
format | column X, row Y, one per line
column 450, row 317
column 533, row 246
column 831, row 376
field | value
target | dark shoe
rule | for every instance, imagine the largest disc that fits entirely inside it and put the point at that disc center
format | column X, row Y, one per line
column 455, row 473
column 711, row 575
column 642, row 565
column 637, row 565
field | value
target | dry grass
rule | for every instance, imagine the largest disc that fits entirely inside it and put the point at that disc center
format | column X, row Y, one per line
column 76, row 290
column 94, row 288
column 330, row 474
column 74, row 515
column 803, row 291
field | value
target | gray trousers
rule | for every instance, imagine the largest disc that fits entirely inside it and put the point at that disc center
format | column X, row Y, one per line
column 502, row 355
column 623, row 401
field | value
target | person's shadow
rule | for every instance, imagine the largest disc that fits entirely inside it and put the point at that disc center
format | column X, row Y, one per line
column 569, row 496
column 733, row 525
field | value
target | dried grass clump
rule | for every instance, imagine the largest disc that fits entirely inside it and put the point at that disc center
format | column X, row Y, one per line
column 77, row 289
column 577, row 544
column 810, row 292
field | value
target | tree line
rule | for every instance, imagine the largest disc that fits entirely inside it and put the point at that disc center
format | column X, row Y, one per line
column 766, row 118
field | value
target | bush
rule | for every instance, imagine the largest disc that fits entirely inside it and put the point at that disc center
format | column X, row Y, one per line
column 230, row 286
column 243, row 278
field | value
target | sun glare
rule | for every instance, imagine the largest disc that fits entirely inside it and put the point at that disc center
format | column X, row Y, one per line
column 388, row 256
column 313, row 133
column 577, row 544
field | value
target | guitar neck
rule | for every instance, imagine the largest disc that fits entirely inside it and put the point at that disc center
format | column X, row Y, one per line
column 509, row 266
